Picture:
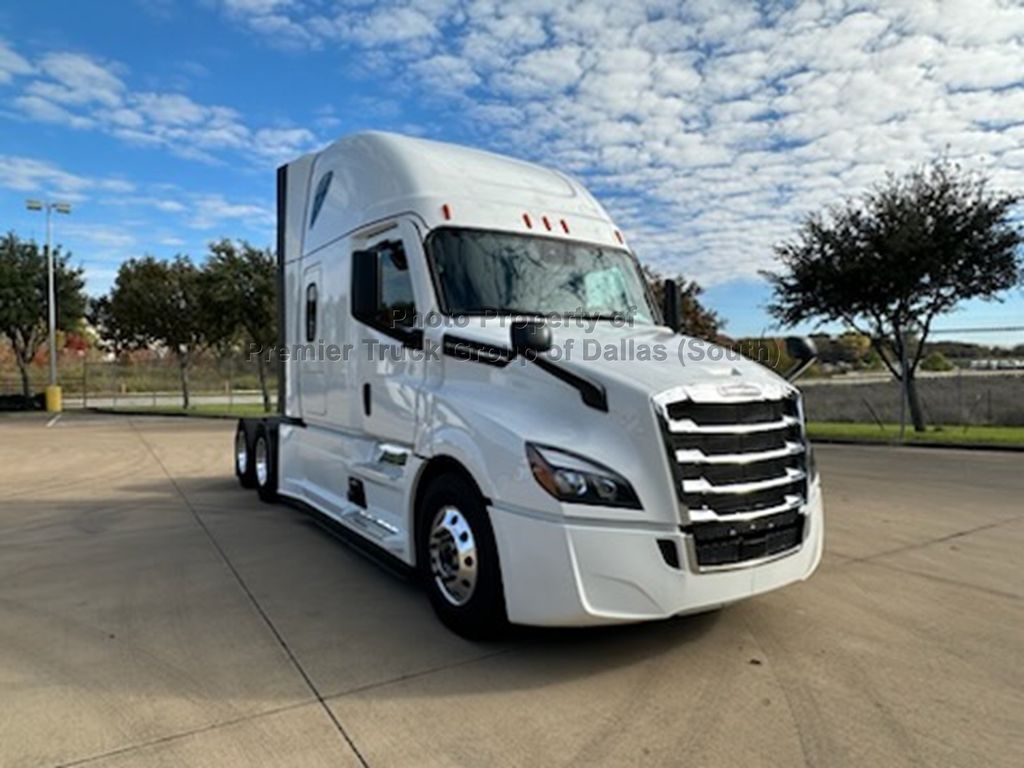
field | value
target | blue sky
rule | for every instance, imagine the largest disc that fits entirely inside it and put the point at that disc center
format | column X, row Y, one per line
column 706, row 128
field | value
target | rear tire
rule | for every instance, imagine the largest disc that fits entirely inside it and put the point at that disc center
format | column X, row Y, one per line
column 244, row 466
column 265, row 464
column 458, row 559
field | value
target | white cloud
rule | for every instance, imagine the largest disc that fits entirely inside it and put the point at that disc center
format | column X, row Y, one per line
column 279, row 145
column 256, row 7
column 710, row 133
column 161, row 204
column 76, row 80
column 964, row 22
column 708, row 130
column 446, row 74
column 45, row 111
column 11, row 64
column 97, row 235
column 171, row 109
column 27, row 174
column 213, row 211
column 385, row 26
column 541, row 71
column 147, row 203
column 979, row 68
column 77, row 91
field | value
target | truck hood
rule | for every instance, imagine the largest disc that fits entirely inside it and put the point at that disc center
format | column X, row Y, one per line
column 646, row 358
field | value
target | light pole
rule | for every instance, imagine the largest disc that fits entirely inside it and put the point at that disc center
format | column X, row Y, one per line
column 53, row 391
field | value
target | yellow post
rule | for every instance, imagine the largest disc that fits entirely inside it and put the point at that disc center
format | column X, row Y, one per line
column 53, row 399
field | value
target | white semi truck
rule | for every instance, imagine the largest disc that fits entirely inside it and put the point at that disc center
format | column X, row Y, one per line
column 474, row 380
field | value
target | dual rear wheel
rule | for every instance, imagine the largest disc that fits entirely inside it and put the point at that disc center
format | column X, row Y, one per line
column 255, row 460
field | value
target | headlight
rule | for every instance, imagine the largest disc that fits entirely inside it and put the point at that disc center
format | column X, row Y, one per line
column 572, row 478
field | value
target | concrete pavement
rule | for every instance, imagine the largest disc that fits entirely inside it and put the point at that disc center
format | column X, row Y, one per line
column 152, row 613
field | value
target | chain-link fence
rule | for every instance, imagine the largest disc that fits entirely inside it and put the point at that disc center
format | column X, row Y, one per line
column 961, row 397
column 156, row 383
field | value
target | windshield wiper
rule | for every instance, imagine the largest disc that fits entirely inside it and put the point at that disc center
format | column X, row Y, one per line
column 484, row 311
column 496, row 311
column 611, row 316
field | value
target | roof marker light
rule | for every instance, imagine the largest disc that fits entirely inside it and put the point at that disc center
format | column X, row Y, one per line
column 526, row 221
column 446, row 211
column 547, row 223
column 618, row 235
column 565, row 227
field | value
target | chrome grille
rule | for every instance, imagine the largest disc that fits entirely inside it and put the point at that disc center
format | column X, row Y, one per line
column 738, row 457
column 740, row 470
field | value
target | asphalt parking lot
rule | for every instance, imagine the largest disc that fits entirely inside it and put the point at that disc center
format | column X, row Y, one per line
column 154, row 614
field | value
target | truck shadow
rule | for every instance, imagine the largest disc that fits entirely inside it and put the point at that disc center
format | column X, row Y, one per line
column 139, row 561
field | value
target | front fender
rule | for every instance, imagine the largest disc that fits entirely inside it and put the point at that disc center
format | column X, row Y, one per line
column 493, row 453
column 456, row 443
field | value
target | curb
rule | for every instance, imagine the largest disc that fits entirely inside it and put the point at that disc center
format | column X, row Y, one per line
column 162, row 415
column 922, row 444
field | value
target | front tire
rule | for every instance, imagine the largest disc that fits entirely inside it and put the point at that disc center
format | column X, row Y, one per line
column 458, row 559
column 264, row 465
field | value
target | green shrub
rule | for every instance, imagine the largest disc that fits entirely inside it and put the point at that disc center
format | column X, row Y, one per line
column 936, row 361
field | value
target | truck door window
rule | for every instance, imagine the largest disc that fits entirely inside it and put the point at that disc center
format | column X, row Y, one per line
column 396, row 307
column 382, row 295
column 311, row 312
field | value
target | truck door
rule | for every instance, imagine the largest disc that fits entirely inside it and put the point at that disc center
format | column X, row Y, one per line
column 312, row 384
column 385, row 272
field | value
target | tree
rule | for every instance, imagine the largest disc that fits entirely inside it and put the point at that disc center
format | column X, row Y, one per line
column 24, row 298
column 112, row 337
column 855, row 347
column 696, row 319
column 887, row 264
column 163, row 303
column 242, row 284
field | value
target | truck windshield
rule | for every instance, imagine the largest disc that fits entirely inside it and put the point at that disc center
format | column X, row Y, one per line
column 480, row 272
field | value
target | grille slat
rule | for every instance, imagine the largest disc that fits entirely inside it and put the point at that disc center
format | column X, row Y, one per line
column 716, row 414
column 731, row 503
column 723, row 443
column 731, row 474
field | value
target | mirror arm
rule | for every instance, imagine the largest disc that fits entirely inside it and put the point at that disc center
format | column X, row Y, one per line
column 798, row 369
column 671, row 305
column 803, row 351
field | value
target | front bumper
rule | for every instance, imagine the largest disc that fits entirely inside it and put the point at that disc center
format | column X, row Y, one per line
column 563, row 573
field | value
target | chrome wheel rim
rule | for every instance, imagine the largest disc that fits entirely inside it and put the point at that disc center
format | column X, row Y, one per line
column 453, row 561
column 241, row 453
column 262, row 462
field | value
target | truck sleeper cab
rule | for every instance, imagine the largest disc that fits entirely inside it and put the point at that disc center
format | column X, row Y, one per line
column 474, row 379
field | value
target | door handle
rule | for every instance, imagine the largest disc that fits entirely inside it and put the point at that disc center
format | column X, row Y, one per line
column 366, row 399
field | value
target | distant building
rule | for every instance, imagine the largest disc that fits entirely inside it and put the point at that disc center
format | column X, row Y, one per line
column 997, row 364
